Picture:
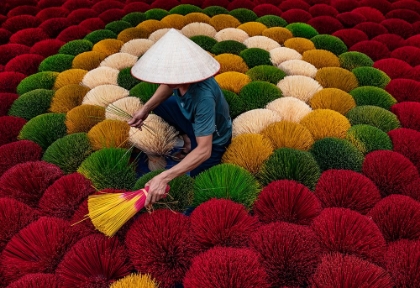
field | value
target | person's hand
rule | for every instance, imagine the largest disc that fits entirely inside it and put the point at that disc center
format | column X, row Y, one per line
column 157, row 190
column 186, row 148
column 187, row 144
column 138, row 118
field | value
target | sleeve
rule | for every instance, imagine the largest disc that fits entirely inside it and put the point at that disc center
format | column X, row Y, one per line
column 205, row 117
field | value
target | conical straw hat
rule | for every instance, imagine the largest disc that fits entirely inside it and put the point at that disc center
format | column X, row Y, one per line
column 175, row 59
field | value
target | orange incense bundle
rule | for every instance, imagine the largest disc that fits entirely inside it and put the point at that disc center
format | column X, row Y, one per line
column 110, row 211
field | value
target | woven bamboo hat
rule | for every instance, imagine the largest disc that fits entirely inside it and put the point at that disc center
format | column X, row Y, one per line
column 175, row 59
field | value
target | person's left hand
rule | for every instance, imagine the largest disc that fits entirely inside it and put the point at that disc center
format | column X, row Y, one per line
column 157, row 190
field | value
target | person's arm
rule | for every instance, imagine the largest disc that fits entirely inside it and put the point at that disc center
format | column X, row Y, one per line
column 162, row 93
column 201, row 153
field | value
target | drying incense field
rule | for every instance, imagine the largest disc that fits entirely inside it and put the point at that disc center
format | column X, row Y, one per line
column 320, row 186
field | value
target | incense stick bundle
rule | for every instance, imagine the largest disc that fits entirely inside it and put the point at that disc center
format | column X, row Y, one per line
column 156, row 141
column 110, row 211
column 123, row 108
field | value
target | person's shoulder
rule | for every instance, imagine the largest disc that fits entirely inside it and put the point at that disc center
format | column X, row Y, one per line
column 208, row 84
column 210, row 81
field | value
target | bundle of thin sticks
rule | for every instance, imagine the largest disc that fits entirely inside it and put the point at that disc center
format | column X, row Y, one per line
column 110, row 211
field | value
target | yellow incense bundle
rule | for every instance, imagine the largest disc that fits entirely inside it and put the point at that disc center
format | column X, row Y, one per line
column 110, row 211
column 135, row 281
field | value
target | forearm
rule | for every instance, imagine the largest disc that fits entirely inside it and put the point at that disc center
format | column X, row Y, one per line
column 162, row 93
column 191, row 161
column 157, row 185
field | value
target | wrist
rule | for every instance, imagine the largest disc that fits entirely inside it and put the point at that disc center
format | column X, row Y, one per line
column 165, row 176
column 146, row 107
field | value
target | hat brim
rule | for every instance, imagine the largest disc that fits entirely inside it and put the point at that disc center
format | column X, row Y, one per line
column 175, row 59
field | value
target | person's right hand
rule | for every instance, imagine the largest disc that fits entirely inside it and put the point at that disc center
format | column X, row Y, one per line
column 138, row 118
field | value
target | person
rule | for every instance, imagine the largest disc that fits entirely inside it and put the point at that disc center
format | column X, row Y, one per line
column 188, row 98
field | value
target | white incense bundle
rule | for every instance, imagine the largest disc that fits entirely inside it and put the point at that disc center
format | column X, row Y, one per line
column 298, row 67
column 197, row 28
column 231, row 34
column 101, row 76
column 290, row 108
column 254, row 121
column 156, row 35
column 300, row 87
column 104, row 94
column 119, row 61
column 156, row 139
column 123, row 109
column 137, row 47
column 281, row 54
column 261, row 42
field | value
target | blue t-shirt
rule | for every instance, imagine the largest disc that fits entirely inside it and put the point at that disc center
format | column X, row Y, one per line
column 205, row 106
